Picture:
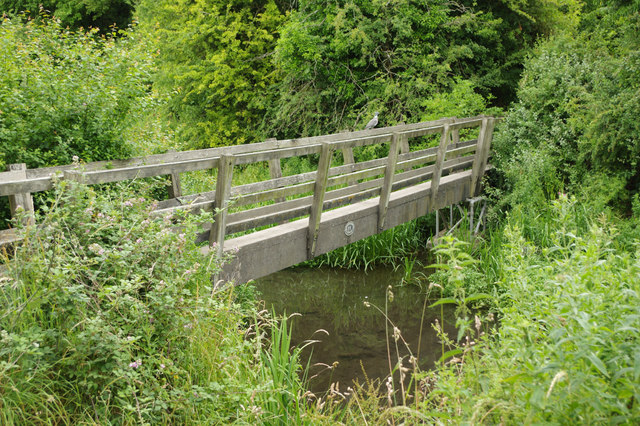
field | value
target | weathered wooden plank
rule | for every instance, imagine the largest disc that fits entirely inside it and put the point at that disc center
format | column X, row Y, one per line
column 203, row 154
column 25, row 186
column 454, row 124
column 275, row 168
column 410, row 159
column 475, row 189
column 8, row 237
column 268, row 215
column 294, row 212
column 175, row 189
column 138, row 172
column 404, row 145
column 23, row 200
column 402, row 180
column 467, row 123
column 236, row 191
column 362, row 141
column 274, row 194
column 223, row 188
column 352, row 178
column 455, row 136
column 451, row 153
column 320, row 188
column 423, row 131
column 442, row 149
column 275, row 171
column 208, row 153
column 12, row 175
column 156, row 159
column 387, row 183
column 40, row 179
column 482, row 153
column 347, row 155
column 343, row 136
column 294, row 205
column 255, row 157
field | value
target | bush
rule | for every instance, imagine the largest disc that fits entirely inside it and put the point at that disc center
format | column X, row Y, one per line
column 102, row 14
column 566, row 348
column 214, row 65
column 66, row 93
column 110, row 316
column 573, row 128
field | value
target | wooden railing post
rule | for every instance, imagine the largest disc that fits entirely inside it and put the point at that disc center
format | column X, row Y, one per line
column 275, row 170
column 223, row 190
column 25, row 200
column 404, row 143
column 175, row 190
column 387, row 184
column 347, row 152
column 347, row 155
column 455, row 134
column 437, row 172
column 403, row 148
column 319, row 191
column 482, row 154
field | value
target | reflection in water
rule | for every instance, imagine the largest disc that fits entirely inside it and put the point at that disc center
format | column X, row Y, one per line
column 333, row 300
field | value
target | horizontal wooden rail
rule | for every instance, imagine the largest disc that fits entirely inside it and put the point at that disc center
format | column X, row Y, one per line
column 41, row 179
column 138, row 172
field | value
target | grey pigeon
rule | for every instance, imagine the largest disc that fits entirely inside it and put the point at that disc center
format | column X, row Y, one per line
column 373, row 123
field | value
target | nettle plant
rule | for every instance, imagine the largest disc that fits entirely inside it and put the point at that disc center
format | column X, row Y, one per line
column 101, row 303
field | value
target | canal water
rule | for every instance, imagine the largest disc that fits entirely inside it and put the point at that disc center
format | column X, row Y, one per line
column 334, row 300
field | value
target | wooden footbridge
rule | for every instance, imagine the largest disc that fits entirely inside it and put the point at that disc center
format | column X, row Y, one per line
column 279, row 222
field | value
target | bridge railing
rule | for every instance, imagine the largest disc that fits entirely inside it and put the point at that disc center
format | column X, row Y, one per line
column 293, row 196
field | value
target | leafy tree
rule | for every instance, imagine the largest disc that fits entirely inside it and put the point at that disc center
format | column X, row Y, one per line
column 342, row 60
column 577, row 114
column 74, row 13
column 501, row 36
column 215, row 64
column 66, row 93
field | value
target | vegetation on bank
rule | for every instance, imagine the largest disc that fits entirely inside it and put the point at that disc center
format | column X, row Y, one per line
column 110, row 317
column 99, row 326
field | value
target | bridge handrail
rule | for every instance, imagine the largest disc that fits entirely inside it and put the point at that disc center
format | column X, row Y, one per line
column 40, row 179
column 19, row 182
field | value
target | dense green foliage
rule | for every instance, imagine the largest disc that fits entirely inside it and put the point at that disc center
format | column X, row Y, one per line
column 100, row 14
column 566, row 349
column 66, row 93
column 575, row 124
column 341, row 61
column 237, row 72
column 215, row 65
column 108, row 316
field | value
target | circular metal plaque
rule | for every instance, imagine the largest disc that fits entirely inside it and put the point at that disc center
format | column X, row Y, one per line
column 349, row 228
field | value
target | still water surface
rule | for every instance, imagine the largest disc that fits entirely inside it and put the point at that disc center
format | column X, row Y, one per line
column 333, row 300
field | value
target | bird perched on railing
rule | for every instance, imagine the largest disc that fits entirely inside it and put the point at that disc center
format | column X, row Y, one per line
column 372, row 123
